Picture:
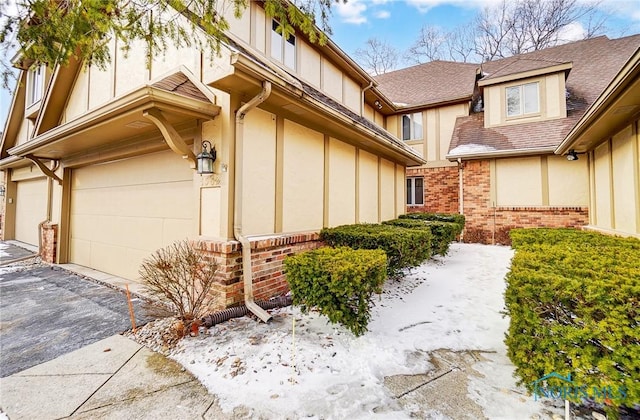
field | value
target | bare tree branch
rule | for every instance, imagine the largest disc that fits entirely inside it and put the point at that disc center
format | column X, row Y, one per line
column 377, row 56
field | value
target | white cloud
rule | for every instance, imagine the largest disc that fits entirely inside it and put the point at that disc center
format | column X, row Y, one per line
column 383, row 14
column 352, row 12
column 423, row 6
column 574, row 31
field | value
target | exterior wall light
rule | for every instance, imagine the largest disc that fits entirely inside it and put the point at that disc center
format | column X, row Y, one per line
column 206, row 158
column 572, row 155
column 378, row 104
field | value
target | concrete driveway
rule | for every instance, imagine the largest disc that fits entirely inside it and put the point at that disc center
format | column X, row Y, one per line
column 46, row 312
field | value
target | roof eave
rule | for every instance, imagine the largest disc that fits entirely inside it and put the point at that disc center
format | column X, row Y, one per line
column 564, row 67
column 502, row 153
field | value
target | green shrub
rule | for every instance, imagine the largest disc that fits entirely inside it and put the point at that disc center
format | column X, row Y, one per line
column 442, row 233
column 438, row 217
column 574, row 302
column 404, row 247
column 338, row 281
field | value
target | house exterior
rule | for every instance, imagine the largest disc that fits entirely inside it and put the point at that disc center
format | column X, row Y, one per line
column 100, row 163
column 489, row 133
column 607, row 138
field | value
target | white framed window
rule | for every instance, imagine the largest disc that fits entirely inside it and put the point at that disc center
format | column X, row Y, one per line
column 412, row 126
column 523, row 99
column 35, row 84
column 283, row 50
column 415, row 191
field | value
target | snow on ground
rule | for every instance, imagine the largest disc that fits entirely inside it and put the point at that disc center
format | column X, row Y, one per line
column 299, row 365
column 2, row 248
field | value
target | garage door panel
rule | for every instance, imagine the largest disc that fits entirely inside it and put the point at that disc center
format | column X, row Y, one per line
column 31, row 209
column 125, row 213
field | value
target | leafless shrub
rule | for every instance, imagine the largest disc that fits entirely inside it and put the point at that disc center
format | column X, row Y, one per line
column 183, row 275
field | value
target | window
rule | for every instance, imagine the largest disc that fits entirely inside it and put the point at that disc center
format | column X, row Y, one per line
column 283, row 50
column 415, row 192
column 35, row 84
column 412, row 126
column 522, row 99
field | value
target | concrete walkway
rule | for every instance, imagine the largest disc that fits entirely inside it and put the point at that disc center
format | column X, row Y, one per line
column 114, row 378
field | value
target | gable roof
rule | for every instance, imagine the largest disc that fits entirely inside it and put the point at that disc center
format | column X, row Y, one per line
column 595, row 62
column 429, row 83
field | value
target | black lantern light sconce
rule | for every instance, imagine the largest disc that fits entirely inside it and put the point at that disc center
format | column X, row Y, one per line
column 573, row 155
column 206, row 158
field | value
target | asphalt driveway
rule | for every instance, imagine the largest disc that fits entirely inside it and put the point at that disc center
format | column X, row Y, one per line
column 46, row 312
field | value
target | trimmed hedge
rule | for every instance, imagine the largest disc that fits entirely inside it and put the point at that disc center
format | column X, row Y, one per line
column 338, row 281
column 574, row 302
column 438, row 217
column 442, row 233
column 404, row 247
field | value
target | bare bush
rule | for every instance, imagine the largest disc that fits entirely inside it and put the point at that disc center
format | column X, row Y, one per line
column 183, row 275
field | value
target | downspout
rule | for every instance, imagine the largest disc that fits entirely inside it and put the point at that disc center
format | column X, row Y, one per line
column 247, row 273
column 362, row 97
column 461, row 193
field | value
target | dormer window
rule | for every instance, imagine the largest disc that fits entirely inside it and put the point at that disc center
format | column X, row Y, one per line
column 523, row 99
column 35, row 84
column 283, row 50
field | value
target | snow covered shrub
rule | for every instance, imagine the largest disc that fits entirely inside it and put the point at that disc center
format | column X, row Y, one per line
column 338, row 281
column 573, row 298
column 182, row 275
column 404, row 247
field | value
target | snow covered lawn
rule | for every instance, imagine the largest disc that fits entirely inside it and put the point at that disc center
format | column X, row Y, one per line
column 301, row 366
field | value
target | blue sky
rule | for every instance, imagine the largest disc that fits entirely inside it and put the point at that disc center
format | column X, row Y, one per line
column 399, row 21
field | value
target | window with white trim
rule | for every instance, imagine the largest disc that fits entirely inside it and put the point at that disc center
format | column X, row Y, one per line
column 412, row 126
column 523, row 99
column 283, row 50
column 35, row 84
column 415, row 191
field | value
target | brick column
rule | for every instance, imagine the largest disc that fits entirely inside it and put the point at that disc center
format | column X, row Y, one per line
column 49, row 232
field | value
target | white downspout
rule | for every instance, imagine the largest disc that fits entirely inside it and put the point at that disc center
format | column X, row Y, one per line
column 237, row 210
column 461, row 193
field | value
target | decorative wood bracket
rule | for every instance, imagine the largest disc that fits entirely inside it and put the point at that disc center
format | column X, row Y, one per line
column 44, row 168
column 171, row 136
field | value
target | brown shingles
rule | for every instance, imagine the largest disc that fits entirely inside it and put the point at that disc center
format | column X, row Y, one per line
column 179, row 83
column 429, row 83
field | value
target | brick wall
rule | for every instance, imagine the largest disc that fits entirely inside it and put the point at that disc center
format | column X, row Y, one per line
column 487, row 224
column 267, row 256
column 441, row 188
column 49, row 232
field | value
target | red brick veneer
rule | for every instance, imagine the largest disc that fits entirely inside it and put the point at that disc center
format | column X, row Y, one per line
column 441, row 187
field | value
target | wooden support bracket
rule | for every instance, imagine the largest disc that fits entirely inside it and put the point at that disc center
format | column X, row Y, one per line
column 171, row 136
column 44, row 168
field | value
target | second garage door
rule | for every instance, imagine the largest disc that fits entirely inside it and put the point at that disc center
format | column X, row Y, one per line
column 123, row 211
column 31, row 209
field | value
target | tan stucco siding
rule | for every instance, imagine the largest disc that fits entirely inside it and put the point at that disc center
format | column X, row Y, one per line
column 568, row 181
column 102, row 83
column 310, row 64
column 401, row 191
column 331, row 80
column 446, row 121
column 368, row 112
column 78, row 101
column 367, row 188
column 303, row 178
column 602, row 184
column 130, row 69
column 519, row 182
column 24, row 133
column 351, row 94
column 342, row 183
column 624, row 175
column 123, row 211
column 258, row 34
column 259, row 173
column 31, row 208
column 240, row 27
column 387, row 190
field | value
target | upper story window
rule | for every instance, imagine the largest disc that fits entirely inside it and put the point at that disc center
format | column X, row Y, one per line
column 415, row 191
column 35, row 84
column 412, row 126
column 523, row 99
column 283, row 50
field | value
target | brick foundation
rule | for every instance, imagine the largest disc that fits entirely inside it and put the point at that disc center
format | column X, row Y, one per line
column 267, row 256
column 491, row 225
column 49, row 234
column 441, row 189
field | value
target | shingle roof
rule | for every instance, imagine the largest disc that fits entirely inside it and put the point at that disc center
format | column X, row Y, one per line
column 521, row 65
column 179, row 83
column 429, row 83
column 594, row 64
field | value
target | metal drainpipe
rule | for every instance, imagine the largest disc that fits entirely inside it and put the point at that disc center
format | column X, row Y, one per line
column 461, row 193
column 237, row 212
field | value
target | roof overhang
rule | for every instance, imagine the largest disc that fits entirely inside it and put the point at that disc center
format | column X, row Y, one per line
column 563, row 67
column 451, row 101
column 289, row 99
column 117, row 120
column 16, row 115
column 501, row 154
column 617, row 106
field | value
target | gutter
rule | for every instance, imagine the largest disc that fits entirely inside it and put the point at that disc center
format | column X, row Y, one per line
column 247, row 273
column 502, row 153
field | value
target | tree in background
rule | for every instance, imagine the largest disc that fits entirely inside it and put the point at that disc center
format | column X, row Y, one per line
column 54, row 31
column 377, row 56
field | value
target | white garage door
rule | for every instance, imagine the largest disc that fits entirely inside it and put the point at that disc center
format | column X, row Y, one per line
column 122, row 211
column 31, row 209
